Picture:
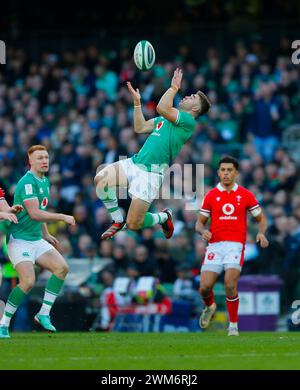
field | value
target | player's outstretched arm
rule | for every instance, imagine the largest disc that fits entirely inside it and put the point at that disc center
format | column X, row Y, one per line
column 139, row 122
column 262, row 227
column 200, row 227
column 4, row 216
column 32, row 207
column 4, row 206
column 165, row 106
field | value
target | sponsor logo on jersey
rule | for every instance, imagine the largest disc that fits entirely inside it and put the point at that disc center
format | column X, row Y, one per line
column 25, row 254
column 228, row 209
column 44, row 203
column 159, row 125
column 157, row 128
column 218, row 199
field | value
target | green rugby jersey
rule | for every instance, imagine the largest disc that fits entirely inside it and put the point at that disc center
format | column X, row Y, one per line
column 29, row 187
column 165, row 142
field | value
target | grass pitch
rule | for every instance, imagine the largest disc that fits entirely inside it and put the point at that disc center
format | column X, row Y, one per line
column 149, row 351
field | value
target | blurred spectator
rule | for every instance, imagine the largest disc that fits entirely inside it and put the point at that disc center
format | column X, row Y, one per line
column 165, row 264
column 184, row 286
column 263, row 124
column 144, row 263
column 120, row 260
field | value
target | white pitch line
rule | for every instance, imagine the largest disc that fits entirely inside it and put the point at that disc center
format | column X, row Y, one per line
column 220, row 356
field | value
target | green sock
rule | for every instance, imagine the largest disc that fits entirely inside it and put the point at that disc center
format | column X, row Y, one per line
column 14, row 300
column 154, row 219
column 110, row 201
column 52, row 290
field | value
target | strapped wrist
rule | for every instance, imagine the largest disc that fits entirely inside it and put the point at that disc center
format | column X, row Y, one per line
column 174, row 88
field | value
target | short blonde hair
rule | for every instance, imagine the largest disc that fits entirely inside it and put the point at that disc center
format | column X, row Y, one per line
column 34, row 148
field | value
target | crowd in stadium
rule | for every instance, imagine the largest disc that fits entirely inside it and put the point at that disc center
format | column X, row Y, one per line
column 78, row 106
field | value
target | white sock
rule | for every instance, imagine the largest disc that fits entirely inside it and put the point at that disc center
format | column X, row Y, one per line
column 48, row 301
column 10, row 309
column 158, row 218
column 45, row 309
column 233, row 325
column 163, row 217
column 117, row 216
column 113, row 209
column 5, row 320
column 110, row 201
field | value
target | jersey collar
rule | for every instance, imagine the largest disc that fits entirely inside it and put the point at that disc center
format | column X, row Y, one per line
column 38, row 178
column 221, row 188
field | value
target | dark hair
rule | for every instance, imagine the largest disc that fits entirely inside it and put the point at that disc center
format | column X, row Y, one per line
column 205, row 103
column 229, row 160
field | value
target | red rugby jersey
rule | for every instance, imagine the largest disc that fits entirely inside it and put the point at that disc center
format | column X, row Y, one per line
column 228, row 212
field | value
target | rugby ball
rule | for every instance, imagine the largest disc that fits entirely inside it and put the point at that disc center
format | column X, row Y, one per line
column 144, row 55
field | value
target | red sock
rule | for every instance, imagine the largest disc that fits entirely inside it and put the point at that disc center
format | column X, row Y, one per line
column 232, row 304
column 208, row 299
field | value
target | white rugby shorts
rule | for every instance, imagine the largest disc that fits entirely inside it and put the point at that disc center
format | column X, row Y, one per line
column 223, row 255
column 141, row 184
column 19, row 250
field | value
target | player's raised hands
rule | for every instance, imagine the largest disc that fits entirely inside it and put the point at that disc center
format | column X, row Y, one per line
column 135, row 93
column 262, row 240
column 176, row 80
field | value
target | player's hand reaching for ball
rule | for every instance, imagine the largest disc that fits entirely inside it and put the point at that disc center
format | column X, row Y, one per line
column 262, row 240
column 176, row 80
column 69, row 219
column 135, row 93
column 206, row 235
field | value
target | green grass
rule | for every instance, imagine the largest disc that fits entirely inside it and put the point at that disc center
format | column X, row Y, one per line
column 150, row 351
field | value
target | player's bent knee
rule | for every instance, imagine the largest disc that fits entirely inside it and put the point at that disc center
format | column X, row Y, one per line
column 26, row 284
column 61, row 271
column 230, row 289
column 96, row 180
column 205, row 289
column 133, row 225
column 100, row 180
column 65, row 269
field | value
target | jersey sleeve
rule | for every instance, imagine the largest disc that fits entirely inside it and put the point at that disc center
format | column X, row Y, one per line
column 1, row 194
column 28, row 191
column 186, row 121
column 252, row 205
column 206, row 206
